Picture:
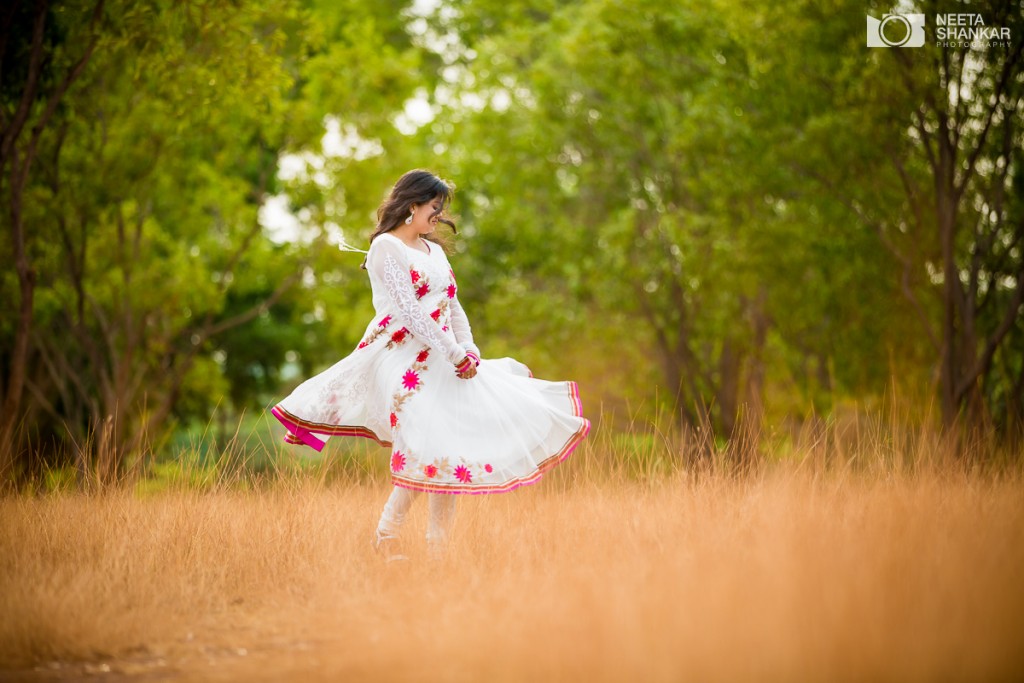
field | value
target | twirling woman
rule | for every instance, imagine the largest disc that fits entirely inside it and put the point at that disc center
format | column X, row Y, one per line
column 416, row 383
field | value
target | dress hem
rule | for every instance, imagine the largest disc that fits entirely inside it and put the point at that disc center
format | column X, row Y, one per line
column 303, row 430
column 512, row 485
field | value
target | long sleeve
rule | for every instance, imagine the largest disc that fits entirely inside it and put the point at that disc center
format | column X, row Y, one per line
column 389, row 262
column 460, row 325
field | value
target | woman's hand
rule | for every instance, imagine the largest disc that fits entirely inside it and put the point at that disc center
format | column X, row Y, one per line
column 466, row 369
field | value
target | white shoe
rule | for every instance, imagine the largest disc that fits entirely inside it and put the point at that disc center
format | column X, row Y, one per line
column 388, row 546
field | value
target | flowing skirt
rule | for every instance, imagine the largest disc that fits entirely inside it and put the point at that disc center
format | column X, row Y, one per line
column 492, row 433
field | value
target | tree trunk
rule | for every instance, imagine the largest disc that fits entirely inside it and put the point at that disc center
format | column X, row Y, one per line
column 946, row 210
column 728, row 386
column 18, row 152
column 19, row 353
column 759, row 324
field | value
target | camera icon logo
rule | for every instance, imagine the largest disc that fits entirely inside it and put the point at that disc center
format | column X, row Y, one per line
column 904, row 30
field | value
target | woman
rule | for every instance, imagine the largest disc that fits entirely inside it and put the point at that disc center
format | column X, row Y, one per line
column 455, row 423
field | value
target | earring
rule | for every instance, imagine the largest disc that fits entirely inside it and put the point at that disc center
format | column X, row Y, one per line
column 408, row 221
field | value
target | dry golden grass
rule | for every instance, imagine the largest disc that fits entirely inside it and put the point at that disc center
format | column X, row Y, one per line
column 786, row 574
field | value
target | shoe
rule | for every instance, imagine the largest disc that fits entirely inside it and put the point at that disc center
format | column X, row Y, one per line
column 387, row 546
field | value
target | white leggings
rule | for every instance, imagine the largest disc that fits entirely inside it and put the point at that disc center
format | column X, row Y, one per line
column 442, row 514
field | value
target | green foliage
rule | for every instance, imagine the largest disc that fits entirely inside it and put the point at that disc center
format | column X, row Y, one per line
column 650, row 166
column 712, row 208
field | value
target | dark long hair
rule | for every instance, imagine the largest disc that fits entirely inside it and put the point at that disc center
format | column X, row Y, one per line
column 414, row 187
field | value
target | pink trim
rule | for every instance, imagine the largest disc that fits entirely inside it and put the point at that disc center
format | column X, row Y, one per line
column 462, row 489
column 304, row 430
column 295, row 431
column 574, row 396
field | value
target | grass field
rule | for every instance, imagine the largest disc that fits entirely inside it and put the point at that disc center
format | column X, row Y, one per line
column 790, row 572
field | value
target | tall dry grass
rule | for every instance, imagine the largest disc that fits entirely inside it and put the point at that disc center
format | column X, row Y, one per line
column 845, row 551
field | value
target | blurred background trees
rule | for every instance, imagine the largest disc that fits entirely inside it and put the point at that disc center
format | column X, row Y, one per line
column 732, row 211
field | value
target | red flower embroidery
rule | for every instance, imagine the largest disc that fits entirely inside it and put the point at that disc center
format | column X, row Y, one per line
column 394, row 419
column 451, row 291
column 423, row 355
column 430, row 471
column 436, row 314
column 463, row 474
column 414, row 275
column 488, row 468
column 397, row 337
column 363, row 345
column 410, row 380
column 385, row 321
column 397, row 461
column 444, row 329
column 422, row 290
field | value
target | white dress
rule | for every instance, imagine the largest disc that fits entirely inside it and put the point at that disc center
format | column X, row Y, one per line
column 489, row 434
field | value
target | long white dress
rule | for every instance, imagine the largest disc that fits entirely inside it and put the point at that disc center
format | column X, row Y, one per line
column 492, row 433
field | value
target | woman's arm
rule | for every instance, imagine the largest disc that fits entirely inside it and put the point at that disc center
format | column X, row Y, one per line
column 463, row 332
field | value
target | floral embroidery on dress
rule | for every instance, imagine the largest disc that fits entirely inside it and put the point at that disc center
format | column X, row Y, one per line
column 443, row 470
column 397, row 338
column 381, row 328
column 397, row 461
column 423, row 287
column 451, row 291
column 411, row 380
column 411, row 383
column 442, row 315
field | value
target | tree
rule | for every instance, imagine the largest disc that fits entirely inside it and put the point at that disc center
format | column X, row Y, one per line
column 922, row 147
column 33, row 88
column 635, row 157
column 154, row 278
column 967, row 126
column 143, row 205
